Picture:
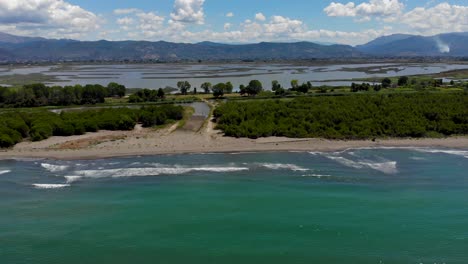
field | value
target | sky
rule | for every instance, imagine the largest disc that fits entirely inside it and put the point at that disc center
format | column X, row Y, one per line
column 232, row 21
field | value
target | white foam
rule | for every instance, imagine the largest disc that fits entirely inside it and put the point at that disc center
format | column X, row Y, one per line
column 316, row 175
column 417, row 158
column 388, row 167
column 131, row 172
column 315, row 153
column 4, row 171
column 54, row 168
column 50, row 186
column 281, row 166
column 463, row 153
column 346, row 162
column 71, row 179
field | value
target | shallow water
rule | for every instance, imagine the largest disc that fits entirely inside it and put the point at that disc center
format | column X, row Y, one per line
column 163, row 75
column 356, row 206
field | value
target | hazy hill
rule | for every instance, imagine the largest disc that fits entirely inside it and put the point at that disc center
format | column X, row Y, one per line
column 23, row 49
column 8, row 38
column 451, row 44
column 54, row 50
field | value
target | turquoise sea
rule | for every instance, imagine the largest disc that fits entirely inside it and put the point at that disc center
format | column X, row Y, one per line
column 355, row 206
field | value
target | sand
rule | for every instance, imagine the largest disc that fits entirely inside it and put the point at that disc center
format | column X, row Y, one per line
column 170, row 140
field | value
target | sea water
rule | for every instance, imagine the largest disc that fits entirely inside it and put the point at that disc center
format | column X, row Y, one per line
column 354, row 206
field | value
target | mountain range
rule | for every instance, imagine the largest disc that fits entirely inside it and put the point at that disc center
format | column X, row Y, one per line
column 33, row 49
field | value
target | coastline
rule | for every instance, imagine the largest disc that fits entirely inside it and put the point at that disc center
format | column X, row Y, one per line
column 170, row 140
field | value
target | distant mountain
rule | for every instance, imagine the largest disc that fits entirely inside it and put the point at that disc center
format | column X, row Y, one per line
column 26, row 49
column 7, row 38
column 451, row 44
column 70, row 50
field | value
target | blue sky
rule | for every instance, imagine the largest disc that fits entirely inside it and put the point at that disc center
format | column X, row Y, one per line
column 232, row 21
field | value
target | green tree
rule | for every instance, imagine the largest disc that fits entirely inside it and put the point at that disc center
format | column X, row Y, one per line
column 275, row 85
column 161, row 93
column 206, row 86
column 219, row 89
column 115, row 89
column 229, row 87
column 294, row 85
column 254, row 87
column 403, row 81
column 242, row 90
column 386, row 83
column 184, row 87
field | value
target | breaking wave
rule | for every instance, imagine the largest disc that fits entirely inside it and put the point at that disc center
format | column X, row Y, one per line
column 4, row 171
column 71, row 179
column 316, row 175
column 388, row 167
column 54, row 168
column 463, row 153
column 281, row 166
column 50, row 186
column 139, row 172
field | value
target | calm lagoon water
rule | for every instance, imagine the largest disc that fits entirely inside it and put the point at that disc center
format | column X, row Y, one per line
column 163, row 75
column 356, row 206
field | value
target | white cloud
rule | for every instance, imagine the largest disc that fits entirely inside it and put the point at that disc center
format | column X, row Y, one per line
column 438, row 19
column 260, row 17
column 383, row 8
column 230, row 14
column 283, row 25
column 126, row 11
column 150, row 23
column 50, row 18
column 188, row 11
column 227, row 26
column 126, row 21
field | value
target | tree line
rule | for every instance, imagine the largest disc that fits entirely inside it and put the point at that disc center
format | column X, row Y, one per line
column 361, row 116
column 33, row 95
column 40, row 125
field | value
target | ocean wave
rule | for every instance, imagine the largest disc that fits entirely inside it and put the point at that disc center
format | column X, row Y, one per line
column 71, row 179
column 54, row 168
column 387, row 167
column 315, row 153
column 316, row 175
column 139, row 172
column 50, row 186
column 417, row 158
column 463, row 153
column 281, row 166
column 4, row 171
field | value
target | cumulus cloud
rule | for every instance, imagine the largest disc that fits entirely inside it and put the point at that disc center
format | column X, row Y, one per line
column 230, row 14
column 51, row 18
column 227, row 26
column 125, row 21
column 188, row 11
column 438, row 19
column 260, row 17
column 371, row 8
column 126, row 11
column 150, row 23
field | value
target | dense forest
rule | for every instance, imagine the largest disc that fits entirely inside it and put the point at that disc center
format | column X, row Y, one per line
column 39, row 125
column 33, row 95
column 347, row 117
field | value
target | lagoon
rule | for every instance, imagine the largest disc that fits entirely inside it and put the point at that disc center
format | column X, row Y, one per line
column 167, row 75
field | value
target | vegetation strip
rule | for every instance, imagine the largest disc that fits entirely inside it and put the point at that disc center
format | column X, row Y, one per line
column 347, row 117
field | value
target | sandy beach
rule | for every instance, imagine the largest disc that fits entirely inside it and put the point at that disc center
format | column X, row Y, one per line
column 173, row 140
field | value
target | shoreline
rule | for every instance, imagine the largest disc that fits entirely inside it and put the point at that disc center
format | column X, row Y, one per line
column 165, row 142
